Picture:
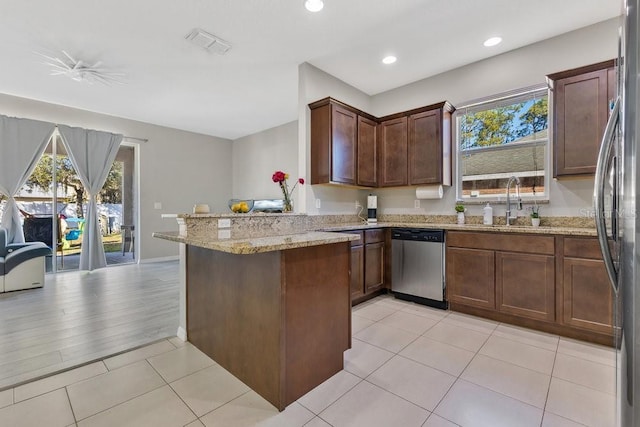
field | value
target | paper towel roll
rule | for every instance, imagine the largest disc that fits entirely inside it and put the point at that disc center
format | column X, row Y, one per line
column 429, row 192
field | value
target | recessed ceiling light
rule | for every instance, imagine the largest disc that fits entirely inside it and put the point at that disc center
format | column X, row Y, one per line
column 389, row 59
column 492, row 41
column 314, row 5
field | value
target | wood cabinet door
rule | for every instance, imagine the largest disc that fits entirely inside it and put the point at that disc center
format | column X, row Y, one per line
column 580, row 115
column 525, row 285
column 471, row 277
column 344, row 124
column 588, row 298
column 425, row 148
column 373, row 266
column 367, row 164
column 357, row 271
column 393, row 152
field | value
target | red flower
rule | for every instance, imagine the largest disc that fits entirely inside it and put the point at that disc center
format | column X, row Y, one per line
column 278, row 176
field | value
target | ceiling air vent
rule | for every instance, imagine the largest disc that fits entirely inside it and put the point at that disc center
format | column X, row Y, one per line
column 208, row 41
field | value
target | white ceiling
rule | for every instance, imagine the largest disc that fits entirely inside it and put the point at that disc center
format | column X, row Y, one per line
column 253, row 87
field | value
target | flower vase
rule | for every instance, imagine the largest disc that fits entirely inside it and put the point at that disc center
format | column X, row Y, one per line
column 535, row 222
column 287, row 206
column 460, row 218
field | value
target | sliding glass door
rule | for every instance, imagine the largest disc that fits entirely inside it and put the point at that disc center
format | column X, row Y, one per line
column 53, row 203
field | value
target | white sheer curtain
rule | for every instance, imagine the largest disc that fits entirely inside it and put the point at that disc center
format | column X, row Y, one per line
column 22, row 142
column 91, row 153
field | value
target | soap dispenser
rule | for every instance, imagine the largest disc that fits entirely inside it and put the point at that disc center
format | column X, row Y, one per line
column 488, row 215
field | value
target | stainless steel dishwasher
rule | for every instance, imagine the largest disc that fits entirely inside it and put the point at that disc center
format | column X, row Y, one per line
column 418, row 266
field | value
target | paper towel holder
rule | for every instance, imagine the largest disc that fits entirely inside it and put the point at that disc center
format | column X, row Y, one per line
column 429, row 192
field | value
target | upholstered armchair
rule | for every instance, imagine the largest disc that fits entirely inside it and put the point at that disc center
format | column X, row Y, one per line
column 21, row 264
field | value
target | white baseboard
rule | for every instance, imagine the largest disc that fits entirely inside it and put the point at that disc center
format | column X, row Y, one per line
column 159, row 259
column 182, row 334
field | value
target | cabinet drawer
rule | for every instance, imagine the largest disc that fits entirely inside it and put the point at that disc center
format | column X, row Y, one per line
column 576, row 247
column 510, row 242
column 374, row 236
column 360, row 237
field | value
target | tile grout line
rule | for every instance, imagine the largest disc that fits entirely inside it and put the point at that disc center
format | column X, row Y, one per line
column 73, row 413
column 458, row 378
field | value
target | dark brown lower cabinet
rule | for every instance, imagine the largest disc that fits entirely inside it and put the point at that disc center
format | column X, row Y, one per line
column 587, row 295
column 470, row 277
column 367, row 264
column 525, row 285
column 373, row 266
column 556, row 284
column 374, row 242
column 357, row 271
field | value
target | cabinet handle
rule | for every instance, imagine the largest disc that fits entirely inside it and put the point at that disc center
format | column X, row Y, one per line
column 598, row 194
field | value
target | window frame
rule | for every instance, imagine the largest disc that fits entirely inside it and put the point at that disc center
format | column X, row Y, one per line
column 492, row 102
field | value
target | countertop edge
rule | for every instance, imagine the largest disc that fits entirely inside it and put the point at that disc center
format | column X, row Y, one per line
column 255, row 245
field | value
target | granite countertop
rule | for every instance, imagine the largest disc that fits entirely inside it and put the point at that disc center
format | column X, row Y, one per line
column 256, row 245
column 526, row 229
column 273, row 232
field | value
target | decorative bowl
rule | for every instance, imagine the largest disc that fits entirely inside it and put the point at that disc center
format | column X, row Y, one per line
column 241, row 205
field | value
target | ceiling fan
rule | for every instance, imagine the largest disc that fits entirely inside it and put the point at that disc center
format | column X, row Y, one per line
column 81, row 71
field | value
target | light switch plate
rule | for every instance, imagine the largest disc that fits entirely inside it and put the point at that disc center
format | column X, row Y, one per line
column 157, row 205
column 224, row 234
column 224, row 223
column 318, row 203
column 416, row 203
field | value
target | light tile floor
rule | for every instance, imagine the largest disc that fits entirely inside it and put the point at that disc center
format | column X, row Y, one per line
column 410, row 365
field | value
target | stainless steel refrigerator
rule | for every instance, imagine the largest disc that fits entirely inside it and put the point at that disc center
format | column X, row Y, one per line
column 615, row 195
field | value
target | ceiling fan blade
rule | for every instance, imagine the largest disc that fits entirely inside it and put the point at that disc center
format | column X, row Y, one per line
column 73, row 61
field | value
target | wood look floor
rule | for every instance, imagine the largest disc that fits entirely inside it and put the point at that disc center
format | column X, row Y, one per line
column 81, row 316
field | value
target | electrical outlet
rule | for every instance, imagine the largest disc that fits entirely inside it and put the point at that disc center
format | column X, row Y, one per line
column 416, row 203
column 157, row 205
column 224, row 223
column 318, row 203
column 358, row 205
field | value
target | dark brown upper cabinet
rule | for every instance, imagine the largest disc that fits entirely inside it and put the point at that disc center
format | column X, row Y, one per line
column 415, row 147
column 393, row 152
column 343, row 145
column 430, row 146
column 349, row 146
column 581, row 99
column 367, row 164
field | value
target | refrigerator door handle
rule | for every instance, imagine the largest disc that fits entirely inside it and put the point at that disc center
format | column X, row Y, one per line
column 598, row 193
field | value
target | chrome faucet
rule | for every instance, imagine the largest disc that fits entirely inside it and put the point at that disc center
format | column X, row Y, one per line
column 518, row 204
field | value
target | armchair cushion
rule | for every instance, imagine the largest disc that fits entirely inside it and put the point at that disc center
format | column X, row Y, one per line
column 30, row 251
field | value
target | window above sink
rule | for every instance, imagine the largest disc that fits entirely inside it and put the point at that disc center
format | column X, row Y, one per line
column 502, row 136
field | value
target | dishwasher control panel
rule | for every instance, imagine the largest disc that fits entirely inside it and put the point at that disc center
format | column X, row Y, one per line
column 418, row 235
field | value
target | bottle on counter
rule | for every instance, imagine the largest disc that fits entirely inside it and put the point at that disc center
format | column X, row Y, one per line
column 487, row 219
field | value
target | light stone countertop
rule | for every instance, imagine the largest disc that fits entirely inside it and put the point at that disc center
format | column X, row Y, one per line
column 523, row 229
column 256, row 245
column 252, row 234
column 330, row 235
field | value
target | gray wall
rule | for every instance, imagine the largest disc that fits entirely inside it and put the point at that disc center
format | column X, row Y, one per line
column 256, row 157
column 177, row 168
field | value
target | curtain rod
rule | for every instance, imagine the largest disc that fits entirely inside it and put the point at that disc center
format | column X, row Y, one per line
column 135, row 139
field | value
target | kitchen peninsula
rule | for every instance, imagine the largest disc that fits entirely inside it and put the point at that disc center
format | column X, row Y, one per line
column 266, row 299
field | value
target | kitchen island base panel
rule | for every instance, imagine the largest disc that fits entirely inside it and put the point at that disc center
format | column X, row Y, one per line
column 279, row 321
